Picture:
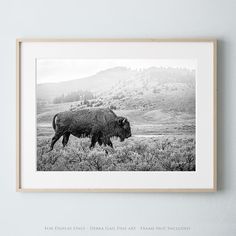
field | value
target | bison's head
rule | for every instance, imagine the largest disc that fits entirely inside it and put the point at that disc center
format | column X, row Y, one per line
column 123, row 130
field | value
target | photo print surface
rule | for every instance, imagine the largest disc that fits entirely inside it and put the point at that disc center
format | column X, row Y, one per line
column 116, row 114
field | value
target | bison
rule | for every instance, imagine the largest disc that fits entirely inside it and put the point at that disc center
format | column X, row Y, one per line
column 98, row 123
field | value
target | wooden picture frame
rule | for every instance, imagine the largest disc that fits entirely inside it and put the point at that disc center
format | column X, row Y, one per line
column 208, row 47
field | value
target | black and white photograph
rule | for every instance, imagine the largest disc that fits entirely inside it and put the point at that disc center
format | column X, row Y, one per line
column 115, row 114
column 118, row 118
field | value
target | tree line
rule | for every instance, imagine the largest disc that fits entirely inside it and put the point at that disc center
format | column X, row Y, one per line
column 79, row 95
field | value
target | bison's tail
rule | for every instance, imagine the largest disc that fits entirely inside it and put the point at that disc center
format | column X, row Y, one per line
column 54, row 122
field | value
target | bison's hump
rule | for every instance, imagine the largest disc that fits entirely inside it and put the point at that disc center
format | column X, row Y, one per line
column 88, row 115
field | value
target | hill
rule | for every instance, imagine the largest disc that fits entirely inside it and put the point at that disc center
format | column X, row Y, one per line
column 122, row 88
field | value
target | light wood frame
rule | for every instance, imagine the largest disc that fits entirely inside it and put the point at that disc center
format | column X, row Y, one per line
column 18, row 111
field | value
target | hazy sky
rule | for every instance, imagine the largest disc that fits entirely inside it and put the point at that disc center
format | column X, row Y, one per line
column 58, row 70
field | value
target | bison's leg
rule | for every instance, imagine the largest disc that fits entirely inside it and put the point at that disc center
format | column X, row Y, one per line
column 65, row 139
column 109, row 143
column 54, row 140
column 93, row 141
column 100, row 141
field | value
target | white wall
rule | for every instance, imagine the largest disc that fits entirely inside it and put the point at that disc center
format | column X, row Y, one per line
column 205, row 213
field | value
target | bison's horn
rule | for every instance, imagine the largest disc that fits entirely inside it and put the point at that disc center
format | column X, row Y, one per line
column 124, row 121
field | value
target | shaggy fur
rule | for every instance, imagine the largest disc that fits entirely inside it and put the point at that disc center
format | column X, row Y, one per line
column 98, row 123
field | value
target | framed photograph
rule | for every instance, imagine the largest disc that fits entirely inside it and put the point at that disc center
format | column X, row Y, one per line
column 129, row 115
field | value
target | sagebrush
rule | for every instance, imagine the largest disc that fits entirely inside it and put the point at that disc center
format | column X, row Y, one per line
column 135, row 154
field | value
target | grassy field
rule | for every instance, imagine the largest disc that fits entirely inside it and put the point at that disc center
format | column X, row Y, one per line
column 135, row 154
column 160, row 142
